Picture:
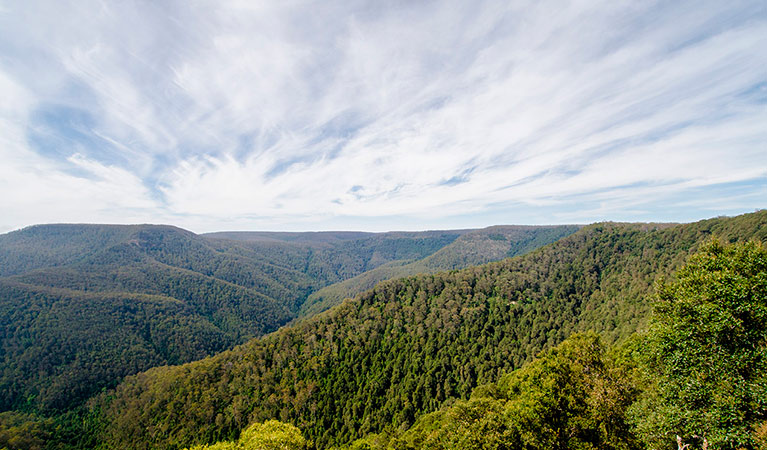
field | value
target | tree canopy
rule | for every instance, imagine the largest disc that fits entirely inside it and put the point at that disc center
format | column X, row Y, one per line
column 707, row 349
column 270, row 435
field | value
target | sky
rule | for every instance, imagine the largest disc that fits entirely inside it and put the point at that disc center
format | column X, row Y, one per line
column 380, row 115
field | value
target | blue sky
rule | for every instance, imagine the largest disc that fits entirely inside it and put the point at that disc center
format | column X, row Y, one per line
column 236, row 115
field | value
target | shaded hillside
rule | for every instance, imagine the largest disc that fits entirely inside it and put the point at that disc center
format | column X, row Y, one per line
column 406, row 346
column 62, row 346
column 135, row 298
column 338, row 255
column 470, row 249
column 54, row 245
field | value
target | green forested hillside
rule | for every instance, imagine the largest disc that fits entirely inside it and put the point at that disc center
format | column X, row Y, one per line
column 336, row 256
column 576, row 395
column 54, row 245
column 135, row 298
column 470, row 249
column 81, row 306
column 696, row 377
column 409, row 345
column 303, row 237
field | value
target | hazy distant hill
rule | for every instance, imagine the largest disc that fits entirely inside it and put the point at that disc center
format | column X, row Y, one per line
column 307, row 237
column 53, row 245
column 409, row 345
column 337, row 255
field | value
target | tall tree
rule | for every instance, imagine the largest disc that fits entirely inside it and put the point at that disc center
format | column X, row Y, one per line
column 708, row 352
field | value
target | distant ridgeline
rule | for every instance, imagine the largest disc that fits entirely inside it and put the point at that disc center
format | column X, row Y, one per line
column 372, row 366
column 81, row 306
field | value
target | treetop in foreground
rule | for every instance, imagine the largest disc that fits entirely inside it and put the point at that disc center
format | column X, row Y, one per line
column 708, row 349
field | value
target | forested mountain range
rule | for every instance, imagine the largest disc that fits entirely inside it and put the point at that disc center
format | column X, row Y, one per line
column 409, row 346
column 81, row 306
column 393, row 367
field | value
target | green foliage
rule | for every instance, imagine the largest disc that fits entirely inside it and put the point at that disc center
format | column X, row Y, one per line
column 270, row 435
column 407, row 346
column 708, row 351
column 572, row 397
column 55, row 245
column 470, row 249
column 223, row 445
column 75, row 429
column 85, row 305
column 23, row 432
column 760, row 435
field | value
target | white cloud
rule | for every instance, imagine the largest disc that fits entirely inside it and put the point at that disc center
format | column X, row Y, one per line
column 259, row 114
column 36, row 190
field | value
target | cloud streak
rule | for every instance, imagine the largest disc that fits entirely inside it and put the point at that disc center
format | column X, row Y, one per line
column 294, row 115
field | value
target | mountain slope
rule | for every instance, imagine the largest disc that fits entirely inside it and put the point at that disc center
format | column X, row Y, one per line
column 470, row 249
column 335, row 256
column 408, row 345
column 132, row 298
column 54, row 245
column 84, row 305
column 696, row 377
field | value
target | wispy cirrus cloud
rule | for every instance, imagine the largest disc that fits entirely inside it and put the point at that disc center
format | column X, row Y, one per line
column 357, row 114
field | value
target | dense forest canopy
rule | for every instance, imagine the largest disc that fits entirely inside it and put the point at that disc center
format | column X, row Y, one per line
column 646, row 392
column 407, row 346
column 81, row 306
column 441, row 360
column 696, row 377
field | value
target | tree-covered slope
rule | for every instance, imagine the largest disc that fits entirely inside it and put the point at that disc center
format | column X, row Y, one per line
column 144, row 296
column 54, row 245
column 59, row 346
column 81, row 306
column 696, row 378
column 406, row 346
column 470, row 249
column 574, row 396
column 335, row 256
column 302, row 237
